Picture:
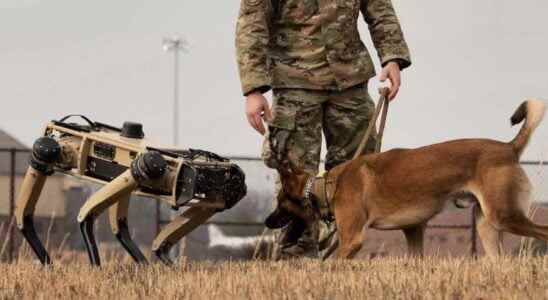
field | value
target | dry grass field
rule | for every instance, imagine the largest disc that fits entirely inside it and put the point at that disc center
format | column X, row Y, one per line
column 380, row 278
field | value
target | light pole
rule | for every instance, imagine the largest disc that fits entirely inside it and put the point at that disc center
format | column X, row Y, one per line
column 175, row 44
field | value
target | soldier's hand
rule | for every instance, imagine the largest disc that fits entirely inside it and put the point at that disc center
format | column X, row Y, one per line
column 391, row 71
column 256, row 106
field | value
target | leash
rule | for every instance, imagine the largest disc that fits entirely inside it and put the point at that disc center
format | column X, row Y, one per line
column 382, row 105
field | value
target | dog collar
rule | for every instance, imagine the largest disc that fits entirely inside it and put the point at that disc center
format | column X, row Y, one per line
column 308, row 188
column 318, row 186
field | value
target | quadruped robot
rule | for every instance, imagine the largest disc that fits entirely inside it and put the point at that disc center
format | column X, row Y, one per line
column 126, row 163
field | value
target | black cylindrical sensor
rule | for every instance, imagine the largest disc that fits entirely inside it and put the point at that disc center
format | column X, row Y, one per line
column 150, row 165
column 132, row 130
column 154, row 164
column 46, row 150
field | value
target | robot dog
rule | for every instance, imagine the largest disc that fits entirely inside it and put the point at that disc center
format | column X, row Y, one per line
column 126, row 163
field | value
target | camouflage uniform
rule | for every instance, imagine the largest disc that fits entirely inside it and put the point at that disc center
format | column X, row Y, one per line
column 295, row 136
column 310, row 53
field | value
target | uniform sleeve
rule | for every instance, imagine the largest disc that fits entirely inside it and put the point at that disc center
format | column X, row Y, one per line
column 386, row 32
column 252, row 39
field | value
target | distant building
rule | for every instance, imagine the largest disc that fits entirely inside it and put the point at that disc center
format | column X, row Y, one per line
column 52, row 201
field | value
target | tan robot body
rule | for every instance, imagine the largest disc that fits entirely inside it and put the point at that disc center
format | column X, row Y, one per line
column 126, row 163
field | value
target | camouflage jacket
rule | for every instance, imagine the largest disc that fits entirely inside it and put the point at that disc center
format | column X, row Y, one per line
column 314, row 44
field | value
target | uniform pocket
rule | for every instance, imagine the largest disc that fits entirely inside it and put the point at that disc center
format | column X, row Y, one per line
column 284, row 110
column 280, row 130
column 283, row 120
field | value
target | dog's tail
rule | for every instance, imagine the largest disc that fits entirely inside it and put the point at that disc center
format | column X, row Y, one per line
column 532, row 111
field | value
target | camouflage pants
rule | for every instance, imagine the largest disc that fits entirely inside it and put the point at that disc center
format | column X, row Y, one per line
column 295, row 137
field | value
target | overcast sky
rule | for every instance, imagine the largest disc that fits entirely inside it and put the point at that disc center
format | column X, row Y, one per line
column 474, row 62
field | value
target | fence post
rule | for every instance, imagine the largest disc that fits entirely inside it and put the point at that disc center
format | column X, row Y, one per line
column 13, row 153
column 473, row 233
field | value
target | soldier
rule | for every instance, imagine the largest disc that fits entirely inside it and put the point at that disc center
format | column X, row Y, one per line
column 310, row 54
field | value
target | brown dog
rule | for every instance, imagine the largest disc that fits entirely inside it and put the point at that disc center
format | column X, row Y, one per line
column 404, row 188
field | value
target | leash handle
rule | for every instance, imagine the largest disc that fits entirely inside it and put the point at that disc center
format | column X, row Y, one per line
column 383, row 104
column 385, row 92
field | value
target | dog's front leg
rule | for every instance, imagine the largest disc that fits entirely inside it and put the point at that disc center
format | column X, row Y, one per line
column 415, row 240
column 351, row 227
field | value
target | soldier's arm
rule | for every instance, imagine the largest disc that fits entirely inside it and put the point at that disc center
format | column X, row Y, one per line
column 386, row 32
column 252, row 38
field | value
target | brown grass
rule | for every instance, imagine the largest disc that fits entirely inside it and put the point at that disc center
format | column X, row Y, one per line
column 382, row 278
